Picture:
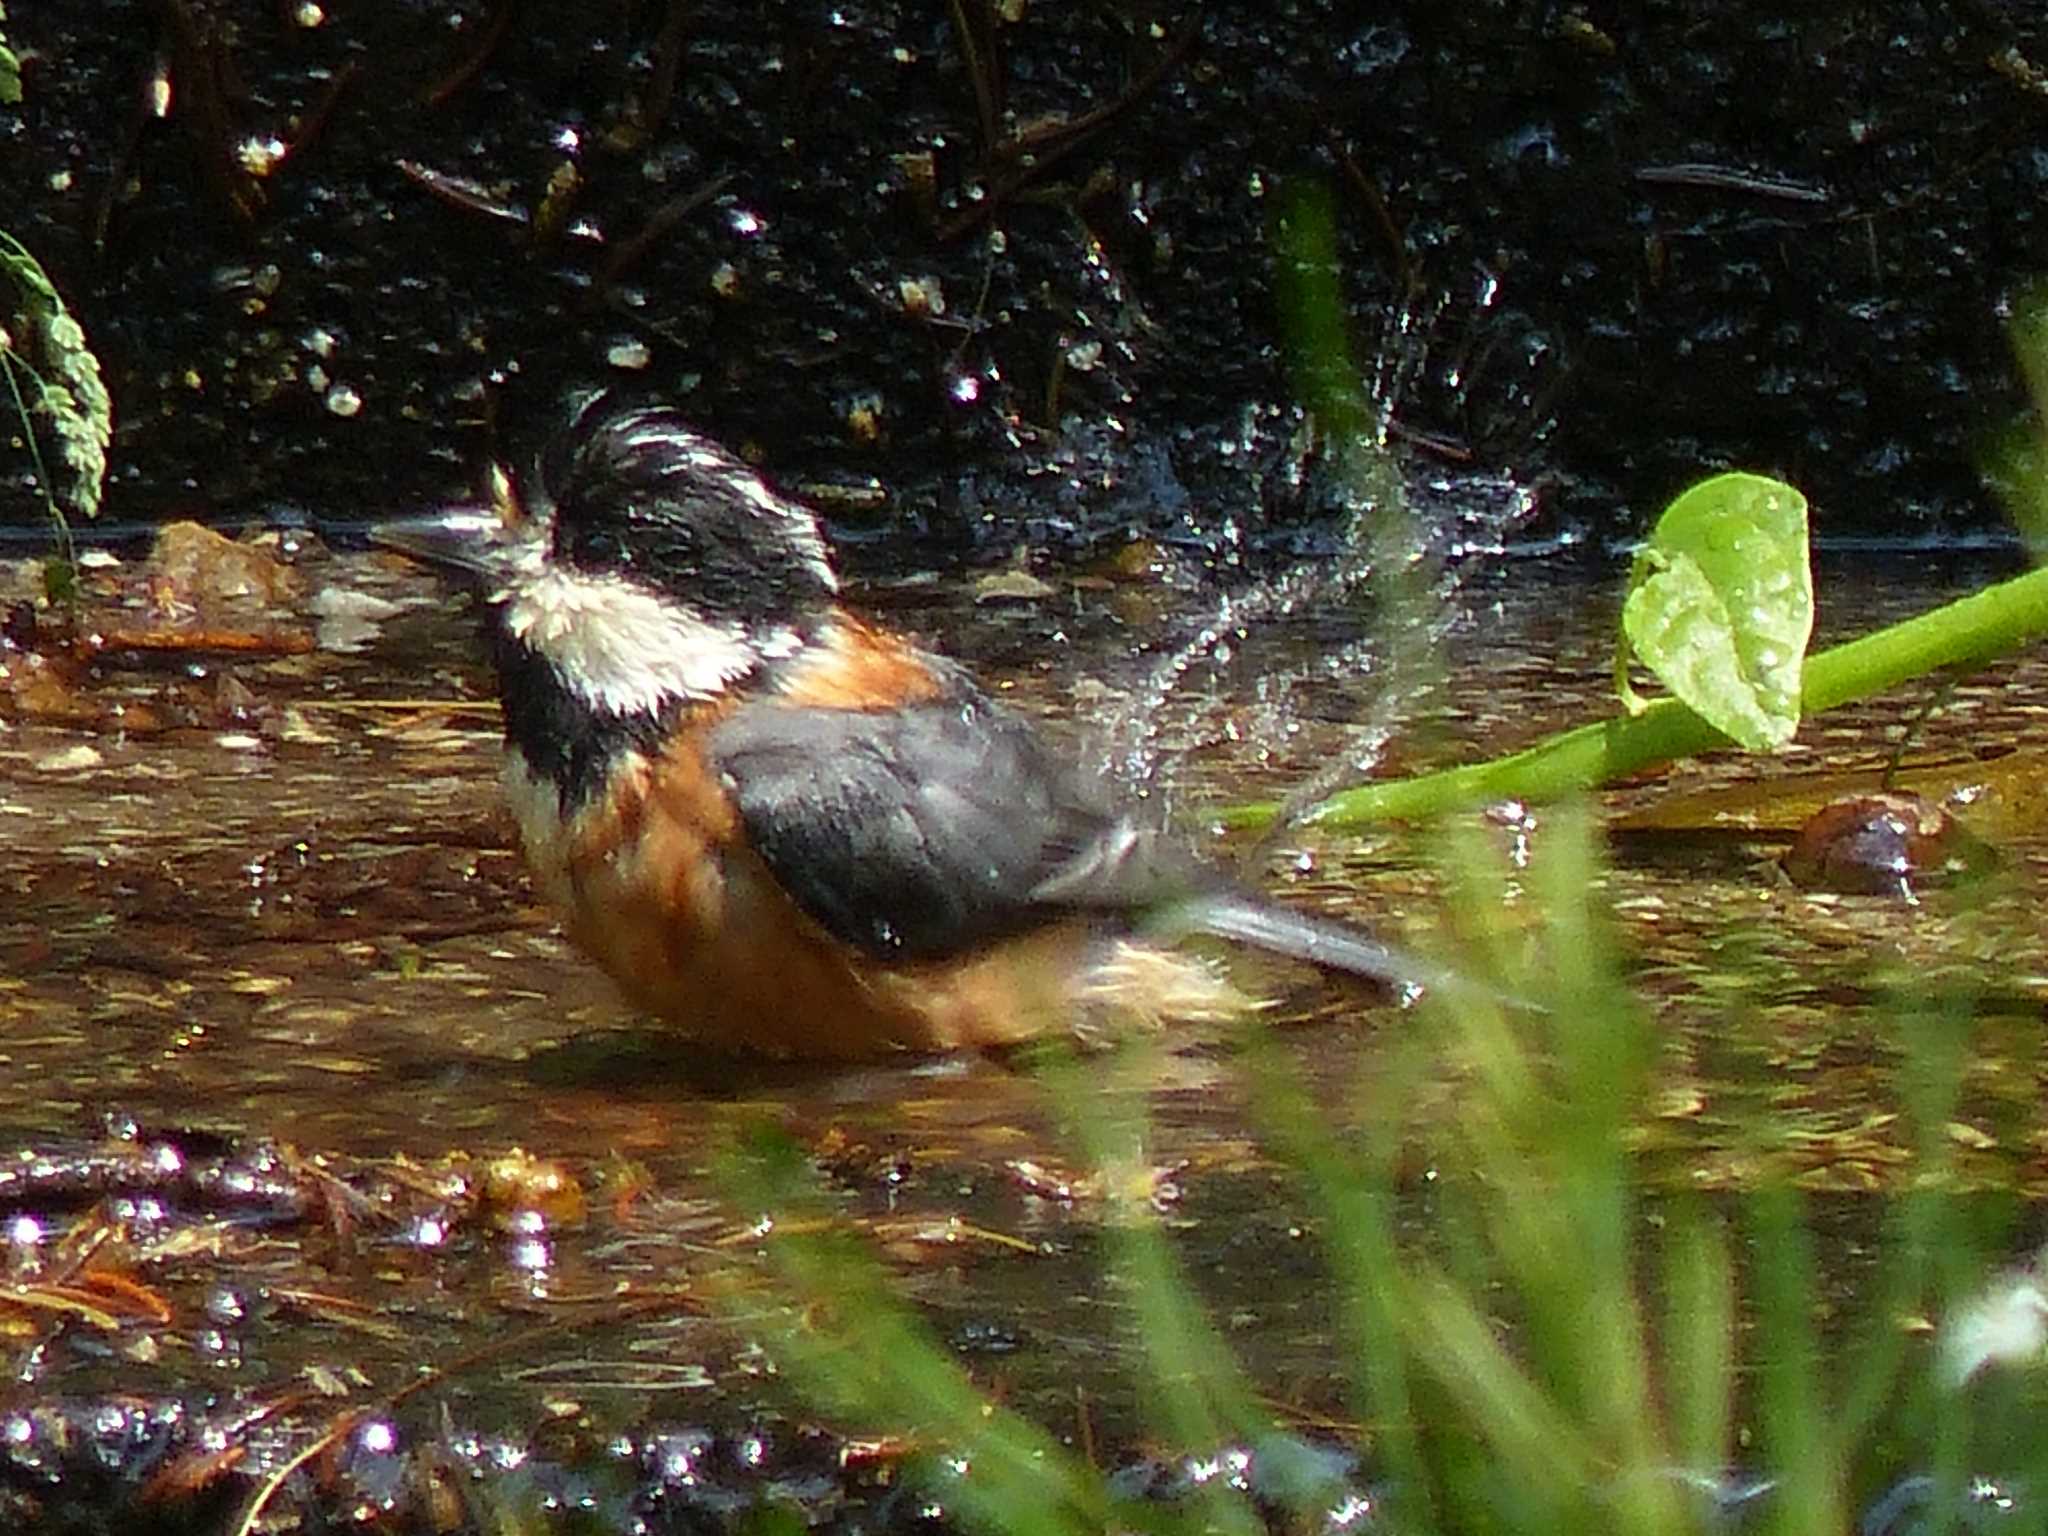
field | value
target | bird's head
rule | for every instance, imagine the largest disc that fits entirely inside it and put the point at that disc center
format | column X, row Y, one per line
column 638, row 561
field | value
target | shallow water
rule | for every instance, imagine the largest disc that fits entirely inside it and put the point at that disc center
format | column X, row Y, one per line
column 276, row 992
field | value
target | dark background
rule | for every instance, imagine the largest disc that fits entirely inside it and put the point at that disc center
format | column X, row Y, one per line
column 1529, row 244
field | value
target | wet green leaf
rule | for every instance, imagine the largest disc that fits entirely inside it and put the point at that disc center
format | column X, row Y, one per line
column 60, row 580
column 1720, row 607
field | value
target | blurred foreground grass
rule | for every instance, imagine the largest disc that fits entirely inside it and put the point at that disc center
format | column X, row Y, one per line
column 1568, row 1344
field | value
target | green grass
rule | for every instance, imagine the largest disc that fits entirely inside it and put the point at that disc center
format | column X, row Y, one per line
column 1571, row 1342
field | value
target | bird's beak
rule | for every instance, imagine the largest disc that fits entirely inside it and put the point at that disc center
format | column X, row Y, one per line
column 468, row 541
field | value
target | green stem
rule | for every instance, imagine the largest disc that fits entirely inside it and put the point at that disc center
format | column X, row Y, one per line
column 1970, row 630
column 59, row 524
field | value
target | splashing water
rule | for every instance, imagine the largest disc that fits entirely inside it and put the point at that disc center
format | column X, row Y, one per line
column 1412, row 535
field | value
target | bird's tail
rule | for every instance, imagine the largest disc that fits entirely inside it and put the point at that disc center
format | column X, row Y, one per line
column 1319, row 941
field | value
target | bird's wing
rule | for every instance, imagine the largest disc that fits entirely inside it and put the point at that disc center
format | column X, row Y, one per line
column 924, row 831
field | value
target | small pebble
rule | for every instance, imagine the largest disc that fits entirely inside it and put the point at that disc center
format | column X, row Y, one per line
column 70, row 759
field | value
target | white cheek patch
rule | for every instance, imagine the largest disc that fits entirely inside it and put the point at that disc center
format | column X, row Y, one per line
column 619, row 648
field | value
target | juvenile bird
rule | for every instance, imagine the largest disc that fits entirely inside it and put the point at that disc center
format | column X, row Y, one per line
column 785, row 827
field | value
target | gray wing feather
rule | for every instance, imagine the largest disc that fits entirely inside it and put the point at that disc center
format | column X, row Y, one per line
column 923, row 832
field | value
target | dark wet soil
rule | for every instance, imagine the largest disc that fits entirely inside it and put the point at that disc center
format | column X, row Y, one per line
column 322, row 1144
column 993, row 273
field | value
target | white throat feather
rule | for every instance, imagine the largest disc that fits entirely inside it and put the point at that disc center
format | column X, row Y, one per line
column 620, row 648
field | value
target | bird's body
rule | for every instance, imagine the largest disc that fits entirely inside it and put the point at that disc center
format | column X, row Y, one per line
column 707, row 874
column 789, row 830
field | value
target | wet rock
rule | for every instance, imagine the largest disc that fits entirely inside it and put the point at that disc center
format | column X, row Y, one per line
column 349, row 619
column 518, row 1184
column 1883, row 845
column 18, row 629
column 1291, row 1483
column 192, row 567
column 46, row 688
column 72, row 759
column 1012, row 586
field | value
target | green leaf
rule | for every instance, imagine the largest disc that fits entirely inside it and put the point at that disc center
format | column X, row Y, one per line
column 1720, row 607
column 10, row 70
column 42, row 342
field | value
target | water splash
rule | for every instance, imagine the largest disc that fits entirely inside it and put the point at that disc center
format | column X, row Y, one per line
column 1412, row 533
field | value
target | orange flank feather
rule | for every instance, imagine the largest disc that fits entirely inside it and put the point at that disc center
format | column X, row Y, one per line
column 856, row 666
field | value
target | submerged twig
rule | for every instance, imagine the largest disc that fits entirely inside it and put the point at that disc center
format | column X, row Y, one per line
column 665, row 218
column 464, row 194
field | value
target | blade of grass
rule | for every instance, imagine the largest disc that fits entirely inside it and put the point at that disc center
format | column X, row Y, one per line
column 1699, row 1336
column 1936, row 1049
column 861, row 1354
column 1797, row 1447
column 1563, row 1214
column 1354, row 1196
column 1924, row 1224
column 1540, row 1448
column 1201, row 1396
